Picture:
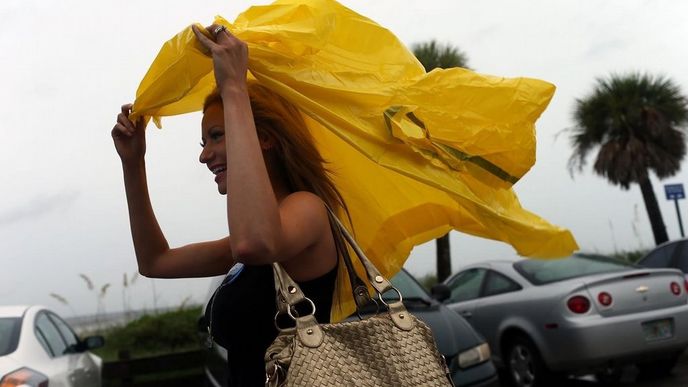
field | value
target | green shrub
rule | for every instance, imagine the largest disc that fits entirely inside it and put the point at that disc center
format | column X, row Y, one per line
column 154, row 334
column 631, row 256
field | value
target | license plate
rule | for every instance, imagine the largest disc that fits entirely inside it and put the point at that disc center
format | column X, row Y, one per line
column 658, row 329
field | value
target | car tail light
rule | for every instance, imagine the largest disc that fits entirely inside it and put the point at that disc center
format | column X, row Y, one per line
column 685, row 284
column 24, row 377
column 604, row 298
column 578, row 304
column 675, row 288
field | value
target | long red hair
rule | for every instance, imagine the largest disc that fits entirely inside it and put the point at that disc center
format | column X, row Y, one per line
column 303, row 168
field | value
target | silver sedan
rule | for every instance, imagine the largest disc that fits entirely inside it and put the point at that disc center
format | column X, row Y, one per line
column 575, row 315
column 38, row 348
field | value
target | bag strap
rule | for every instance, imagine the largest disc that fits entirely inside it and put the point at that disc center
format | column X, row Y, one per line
column 289, row 294
column 358, row 286
column 375, row 278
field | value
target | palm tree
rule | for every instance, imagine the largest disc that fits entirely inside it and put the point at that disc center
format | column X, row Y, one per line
column 636, row 122
column 433, row 55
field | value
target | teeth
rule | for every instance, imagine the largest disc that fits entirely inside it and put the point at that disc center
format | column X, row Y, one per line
column 218, row 170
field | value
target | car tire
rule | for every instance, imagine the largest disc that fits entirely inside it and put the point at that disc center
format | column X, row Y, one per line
column 524, row 365
column 658, row 368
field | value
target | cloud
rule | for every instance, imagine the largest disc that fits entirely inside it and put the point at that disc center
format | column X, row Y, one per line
column 37, row 207
column 606, row 48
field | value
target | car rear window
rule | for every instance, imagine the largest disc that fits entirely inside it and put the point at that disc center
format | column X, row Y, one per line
column 9, row 335
column 541, row 272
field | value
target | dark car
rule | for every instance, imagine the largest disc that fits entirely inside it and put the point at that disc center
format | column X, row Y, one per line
column 672, row 254
column 466, row 352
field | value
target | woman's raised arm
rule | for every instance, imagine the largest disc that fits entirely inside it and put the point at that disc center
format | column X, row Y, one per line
column 155, row 257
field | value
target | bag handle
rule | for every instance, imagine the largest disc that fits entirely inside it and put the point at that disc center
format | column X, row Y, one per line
column 289, row 294
column 380, row 283
column 358, row 286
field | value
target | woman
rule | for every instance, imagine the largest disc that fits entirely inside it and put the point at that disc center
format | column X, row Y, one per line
column 264, row 160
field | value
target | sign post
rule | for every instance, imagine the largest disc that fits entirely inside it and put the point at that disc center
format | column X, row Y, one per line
column 675, row 192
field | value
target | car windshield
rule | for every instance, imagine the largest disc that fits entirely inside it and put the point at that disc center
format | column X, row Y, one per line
column 540, row 271
column 408, row 287
column 9, row 335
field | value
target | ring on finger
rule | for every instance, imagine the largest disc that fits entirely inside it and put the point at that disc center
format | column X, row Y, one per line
column 218, row 29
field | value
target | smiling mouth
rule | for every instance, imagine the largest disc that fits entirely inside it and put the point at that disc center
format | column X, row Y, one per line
column 219, row 169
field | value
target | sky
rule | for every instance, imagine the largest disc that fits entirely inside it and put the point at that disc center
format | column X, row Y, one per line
column 68, row 66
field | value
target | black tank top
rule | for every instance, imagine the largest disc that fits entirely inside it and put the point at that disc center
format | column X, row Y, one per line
column 242, row 313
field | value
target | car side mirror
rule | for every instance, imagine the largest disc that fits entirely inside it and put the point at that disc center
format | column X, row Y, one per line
column 440, row 292
column 92, row 342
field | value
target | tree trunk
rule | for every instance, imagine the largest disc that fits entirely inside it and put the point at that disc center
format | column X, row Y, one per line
column 653, row 212
column 443, row 258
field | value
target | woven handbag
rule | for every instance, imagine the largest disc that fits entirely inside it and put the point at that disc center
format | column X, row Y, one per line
column 390, row 349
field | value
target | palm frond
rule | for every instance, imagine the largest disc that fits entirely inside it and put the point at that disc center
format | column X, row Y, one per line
column 636, row 121
column 433, row 55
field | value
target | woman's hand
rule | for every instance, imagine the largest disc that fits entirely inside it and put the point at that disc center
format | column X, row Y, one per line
column 230, row 57
column 129, row 138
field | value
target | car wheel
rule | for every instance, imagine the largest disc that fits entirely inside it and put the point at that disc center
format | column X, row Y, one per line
column 524, row 364
column 658, row 368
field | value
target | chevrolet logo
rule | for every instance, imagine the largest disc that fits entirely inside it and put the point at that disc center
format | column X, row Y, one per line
column 642, row 289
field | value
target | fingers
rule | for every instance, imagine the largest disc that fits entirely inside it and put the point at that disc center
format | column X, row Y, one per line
column 124, row 125
column 126, row 108
column 206, row 42
column 219, row 32
column 120, row 130
column 123, row 119
column 140, row 123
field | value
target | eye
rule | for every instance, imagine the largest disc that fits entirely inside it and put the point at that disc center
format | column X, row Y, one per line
column 216, row 135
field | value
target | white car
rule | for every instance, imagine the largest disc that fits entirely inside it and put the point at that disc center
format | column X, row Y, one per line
column 38, row 349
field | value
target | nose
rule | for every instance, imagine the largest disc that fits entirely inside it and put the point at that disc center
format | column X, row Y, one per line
column 206, row 155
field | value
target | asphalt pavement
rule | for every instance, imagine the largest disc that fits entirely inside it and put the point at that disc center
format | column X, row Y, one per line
column 678, row 378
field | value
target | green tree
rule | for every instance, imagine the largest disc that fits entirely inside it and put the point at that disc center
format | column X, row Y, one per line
column 635, row 122
column 433, row 55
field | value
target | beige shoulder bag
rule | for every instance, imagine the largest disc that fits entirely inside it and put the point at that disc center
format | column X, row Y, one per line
column 392, row 348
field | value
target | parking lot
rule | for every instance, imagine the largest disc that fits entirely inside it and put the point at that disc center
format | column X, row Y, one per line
column 630, row 378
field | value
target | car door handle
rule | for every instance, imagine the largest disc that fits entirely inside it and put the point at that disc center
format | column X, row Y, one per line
column 466, row 314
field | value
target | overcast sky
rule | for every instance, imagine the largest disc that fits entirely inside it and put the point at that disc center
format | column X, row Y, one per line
column 68, row 65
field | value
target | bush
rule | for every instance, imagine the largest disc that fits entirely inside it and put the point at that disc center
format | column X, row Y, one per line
column 631, row 256
column 154, row 334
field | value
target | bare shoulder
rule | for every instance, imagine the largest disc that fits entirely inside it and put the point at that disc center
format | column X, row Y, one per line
column 305, row 203
column 311, row 249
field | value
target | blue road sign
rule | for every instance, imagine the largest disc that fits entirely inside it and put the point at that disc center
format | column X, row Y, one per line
column 674, row 191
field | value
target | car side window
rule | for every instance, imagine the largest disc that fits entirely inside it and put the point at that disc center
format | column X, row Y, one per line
column 52, row 337
column 466, row 285
column 660, row 257
column 499, row 284
column 67, row 333
column 681, row 256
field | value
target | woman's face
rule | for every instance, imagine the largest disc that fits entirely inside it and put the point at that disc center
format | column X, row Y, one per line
column 214, row 153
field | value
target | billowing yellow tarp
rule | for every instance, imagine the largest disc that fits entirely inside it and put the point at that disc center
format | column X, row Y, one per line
column 414, row 154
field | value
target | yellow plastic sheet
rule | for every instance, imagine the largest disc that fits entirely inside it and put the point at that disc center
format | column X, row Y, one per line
column 415, row 154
